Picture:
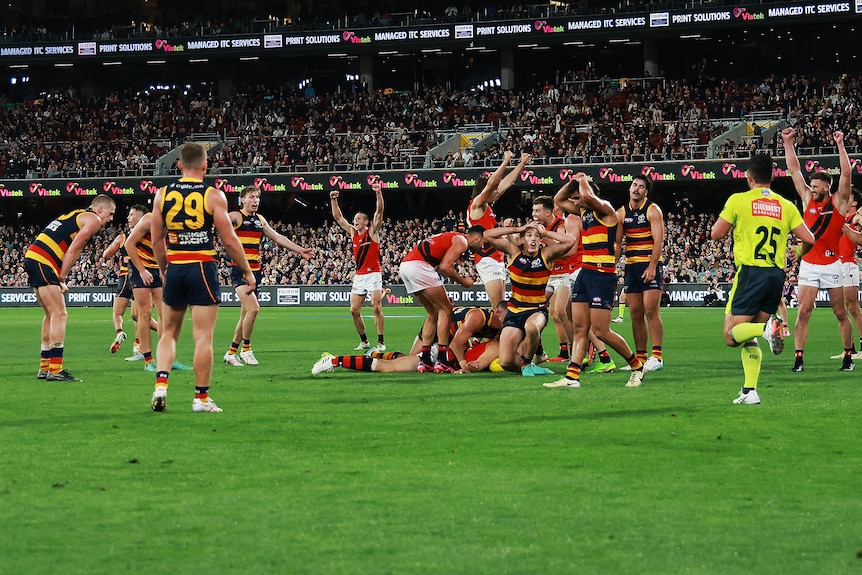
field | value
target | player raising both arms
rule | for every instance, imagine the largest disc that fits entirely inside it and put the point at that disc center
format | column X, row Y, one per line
column 365, row 240
column 486, row 191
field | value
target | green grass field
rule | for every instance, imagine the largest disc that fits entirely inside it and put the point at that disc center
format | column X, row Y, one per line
column 355, row 473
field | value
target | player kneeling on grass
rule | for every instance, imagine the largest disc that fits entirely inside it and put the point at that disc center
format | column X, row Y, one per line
column 479, row 357
column 530, row 266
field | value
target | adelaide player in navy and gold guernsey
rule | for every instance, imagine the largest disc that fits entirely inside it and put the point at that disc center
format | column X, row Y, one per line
column 185, row 212
column 594, row 289
column 250, row 227
column 760, row 220
column 123, row 295
column 48, row 262
column 641, row 224
column 530, row 266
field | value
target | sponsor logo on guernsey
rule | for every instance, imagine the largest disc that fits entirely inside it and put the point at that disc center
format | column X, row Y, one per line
column 768, row 208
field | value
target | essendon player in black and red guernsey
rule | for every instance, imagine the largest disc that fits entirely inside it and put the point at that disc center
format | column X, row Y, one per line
column 365, row 240
column 486, row 191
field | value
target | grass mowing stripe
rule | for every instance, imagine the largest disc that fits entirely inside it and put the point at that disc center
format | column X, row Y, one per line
column 413, row 473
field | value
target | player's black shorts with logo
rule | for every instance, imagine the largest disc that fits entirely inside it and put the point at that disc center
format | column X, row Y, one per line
column 124, row 286
column 192, row 284
column 596, row 288
column 237, row 279
column 40, row 274
column 519, row 319
column 137, row 282
column 755, row 289
column 634, row 282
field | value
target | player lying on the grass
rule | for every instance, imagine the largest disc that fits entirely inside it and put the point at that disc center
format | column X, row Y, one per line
column 468, row 325
column 478, row 357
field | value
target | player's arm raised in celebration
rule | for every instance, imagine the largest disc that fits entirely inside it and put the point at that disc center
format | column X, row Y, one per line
column 486, row 196
column 377, row 220
column 338, row 216
column 841, row 197
column 509, row 180
column 794, row 167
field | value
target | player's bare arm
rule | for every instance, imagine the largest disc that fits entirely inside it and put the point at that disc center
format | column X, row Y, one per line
column 268, row 231
column 158, row 233
column 473, row 322
column 141, row 229
column 720, row 229
column 841, row 198
column 113, row 247
column 447, row 264
column 589, row 201
column 559, row 246
column 377, row 219
column 498, row 237
column 656, row 223
column 338, row 216
column 484, row 199
column 91, row 224
column 509, row 180
column 805, row 237
column 793, row 165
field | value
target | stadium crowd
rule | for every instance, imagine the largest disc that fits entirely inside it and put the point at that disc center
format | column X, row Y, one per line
column 689, row 255
column 573, row 118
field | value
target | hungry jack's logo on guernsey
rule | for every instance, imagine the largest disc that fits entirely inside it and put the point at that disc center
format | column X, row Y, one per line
column 336, row 181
